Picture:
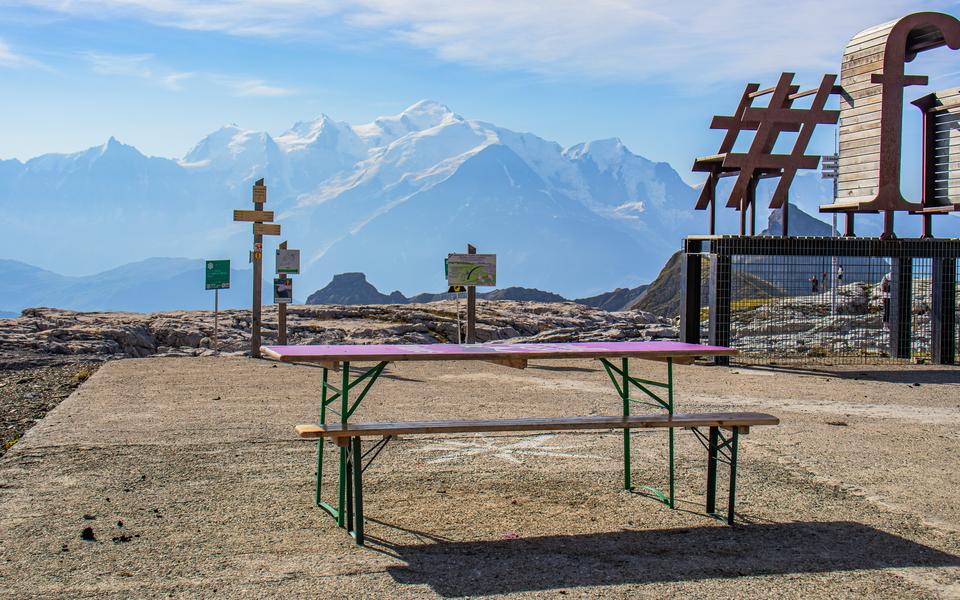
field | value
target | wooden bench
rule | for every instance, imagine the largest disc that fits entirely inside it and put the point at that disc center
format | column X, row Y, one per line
column 720, row 448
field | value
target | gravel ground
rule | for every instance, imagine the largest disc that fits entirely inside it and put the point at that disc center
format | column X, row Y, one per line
column 188, row 476
column 26, row 395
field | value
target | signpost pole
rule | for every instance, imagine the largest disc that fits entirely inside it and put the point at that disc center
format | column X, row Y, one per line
column 471, row 306
column 216, row 317
column 282, row 312
column 259, row 193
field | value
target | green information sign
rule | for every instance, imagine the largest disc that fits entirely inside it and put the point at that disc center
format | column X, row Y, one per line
column 218, row 274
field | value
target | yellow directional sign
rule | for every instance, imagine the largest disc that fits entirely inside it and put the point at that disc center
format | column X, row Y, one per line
column 266, row 229
column 263, row 216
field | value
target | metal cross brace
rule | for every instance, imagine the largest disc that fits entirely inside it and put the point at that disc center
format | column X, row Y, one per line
column 622, row 381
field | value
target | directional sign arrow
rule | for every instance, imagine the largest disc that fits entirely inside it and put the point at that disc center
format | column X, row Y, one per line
column 262, row 216
column 266, row 229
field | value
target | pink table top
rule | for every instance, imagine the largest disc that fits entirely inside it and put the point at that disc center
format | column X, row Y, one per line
column 491, row 351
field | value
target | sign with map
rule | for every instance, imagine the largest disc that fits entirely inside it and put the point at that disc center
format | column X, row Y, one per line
column 471, row 269
column 288, row 261
column 217, row 274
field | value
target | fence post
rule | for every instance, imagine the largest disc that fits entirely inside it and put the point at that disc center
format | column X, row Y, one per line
column 901, row 300
column 943, row 317
column 690, row 277
column 719, row 309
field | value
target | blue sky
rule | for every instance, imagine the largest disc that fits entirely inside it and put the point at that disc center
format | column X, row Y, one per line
column 161, row 74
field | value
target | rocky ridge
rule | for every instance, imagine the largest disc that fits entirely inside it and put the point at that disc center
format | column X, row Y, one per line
column 45, row 336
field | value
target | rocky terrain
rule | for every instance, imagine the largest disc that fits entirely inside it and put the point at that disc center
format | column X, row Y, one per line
column 353, row 288
column 26, row 395
column 46, row 336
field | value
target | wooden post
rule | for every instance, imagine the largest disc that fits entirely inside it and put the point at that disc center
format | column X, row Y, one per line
column 259, row 193
column 259, row 218
column 282, row 312
column 471, row 306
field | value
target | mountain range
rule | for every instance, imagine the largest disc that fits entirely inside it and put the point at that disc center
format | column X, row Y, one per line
column 388, row 198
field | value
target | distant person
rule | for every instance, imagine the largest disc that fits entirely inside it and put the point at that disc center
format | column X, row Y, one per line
column 824, row 280
column 814, row 285
column 885, row 295
column 839, row 275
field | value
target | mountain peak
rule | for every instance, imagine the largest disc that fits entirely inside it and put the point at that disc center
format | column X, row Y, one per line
column 429, row 113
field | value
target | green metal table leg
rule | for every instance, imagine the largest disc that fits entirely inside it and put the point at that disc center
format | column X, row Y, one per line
column 356, row 461
column 348, row 484
column 712, row 470
column 323, row 420
column 344, row 405
column 670, row 412
column 625, row 396
column 733, row 475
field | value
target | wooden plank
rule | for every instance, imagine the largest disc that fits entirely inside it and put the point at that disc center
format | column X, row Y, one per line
column 511, row 361
column 654, row 350
column 264, row 216
column 266, row 229
column 682, row 420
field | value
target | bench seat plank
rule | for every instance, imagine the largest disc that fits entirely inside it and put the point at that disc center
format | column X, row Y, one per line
column 725, row 420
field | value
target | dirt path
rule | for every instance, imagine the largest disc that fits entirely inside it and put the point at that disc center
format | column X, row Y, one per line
column 189, row 477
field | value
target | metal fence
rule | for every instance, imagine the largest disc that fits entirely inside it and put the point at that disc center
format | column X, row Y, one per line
column 823, row 300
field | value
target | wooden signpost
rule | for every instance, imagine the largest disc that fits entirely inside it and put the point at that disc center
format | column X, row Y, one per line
column 258, row 216
column 470, row 270
column 287, row 262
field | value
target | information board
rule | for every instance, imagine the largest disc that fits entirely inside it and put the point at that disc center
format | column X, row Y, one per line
column 471, row 269
column 288, row 262
column 282, row 291
column 217, row 274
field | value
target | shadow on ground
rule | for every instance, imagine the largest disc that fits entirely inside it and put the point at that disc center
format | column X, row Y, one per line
column 455, row 569
column 899, row 375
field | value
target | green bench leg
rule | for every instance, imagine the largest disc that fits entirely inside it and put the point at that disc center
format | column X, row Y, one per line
column 712, row 471
column 357, row 464
column 733, row 475
column 715, row 443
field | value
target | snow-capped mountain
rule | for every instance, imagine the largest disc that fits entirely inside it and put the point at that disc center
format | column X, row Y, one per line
column 389, row 198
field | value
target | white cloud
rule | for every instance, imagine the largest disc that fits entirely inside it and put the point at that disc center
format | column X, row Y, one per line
column 172, row 81
column 692, row 41
column 258, row 87
column 144, row 66
column 11, row 59
column 126, row 65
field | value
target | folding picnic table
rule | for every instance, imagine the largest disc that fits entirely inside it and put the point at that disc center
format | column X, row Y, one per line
column 512, row 355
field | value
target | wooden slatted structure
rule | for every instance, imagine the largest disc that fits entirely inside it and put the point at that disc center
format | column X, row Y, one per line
column 941, row 161
column 871, row 108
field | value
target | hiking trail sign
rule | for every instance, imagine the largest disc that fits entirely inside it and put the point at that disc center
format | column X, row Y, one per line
column 288, row 261
column 471, row 269
column 217, row 274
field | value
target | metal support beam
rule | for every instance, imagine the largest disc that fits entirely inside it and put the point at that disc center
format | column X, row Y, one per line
column 719, row 306
column 691, row 273
column 901, row 287
column 943, row 314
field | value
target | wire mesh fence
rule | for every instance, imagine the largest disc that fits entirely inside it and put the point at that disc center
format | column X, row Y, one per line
column 825, row 300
